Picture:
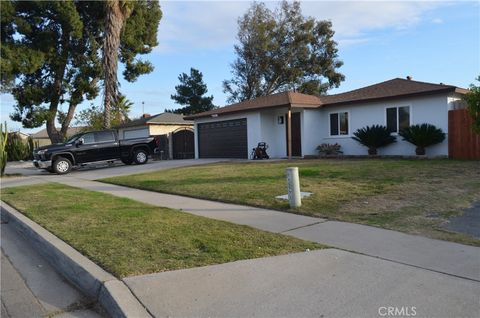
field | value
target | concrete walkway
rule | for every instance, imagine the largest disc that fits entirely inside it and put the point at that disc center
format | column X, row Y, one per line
column 324, row 283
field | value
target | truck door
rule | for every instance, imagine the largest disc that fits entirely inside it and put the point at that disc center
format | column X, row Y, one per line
column 86, row 152
column 107, row 145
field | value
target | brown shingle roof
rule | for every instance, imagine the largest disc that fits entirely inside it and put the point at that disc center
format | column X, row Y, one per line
column 160, row 119
column 275, row 100
column 394, row 88
column 42, row 134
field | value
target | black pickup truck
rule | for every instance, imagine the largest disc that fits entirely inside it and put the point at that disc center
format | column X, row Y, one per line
column 91, row 147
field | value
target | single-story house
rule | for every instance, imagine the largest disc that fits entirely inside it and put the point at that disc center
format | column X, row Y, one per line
column 21, row 135
column 42, row 136
column 232, row 131
column 175, row 134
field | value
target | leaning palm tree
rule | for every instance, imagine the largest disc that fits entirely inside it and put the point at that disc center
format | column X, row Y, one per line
column 117, row 12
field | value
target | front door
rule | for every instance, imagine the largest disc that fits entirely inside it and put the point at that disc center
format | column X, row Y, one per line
column 296, row 135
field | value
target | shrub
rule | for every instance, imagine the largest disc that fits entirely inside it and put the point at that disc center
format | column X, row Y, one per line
column 422, row 136
column 473, row 101
column 374, row 137
column 18, row 149
column 329, row 149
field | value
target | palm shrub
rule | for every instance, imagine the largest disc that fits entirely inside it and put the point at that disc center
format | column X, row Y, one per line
column 422, row 136
column 329, row 149
column 374, row 137
column 3, row 144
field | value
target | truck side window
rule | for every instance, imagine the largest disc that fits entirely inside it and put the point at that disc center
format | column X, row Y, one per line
column 88, row 138
column 104, row 136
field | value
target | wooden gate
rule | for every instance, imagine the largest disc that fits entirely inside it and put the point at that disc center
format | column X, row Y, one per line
column 183, row 144
column 463, row 143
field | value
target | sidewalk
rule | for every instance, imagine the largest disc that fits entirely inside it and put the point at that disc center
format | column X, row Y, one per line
column 31, row 287
column 434, row 255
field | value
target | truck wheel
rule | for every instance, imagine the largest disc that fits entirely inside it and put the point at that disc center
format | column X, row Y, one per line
column 140, row 156
column 127, row 161
column 62, row 165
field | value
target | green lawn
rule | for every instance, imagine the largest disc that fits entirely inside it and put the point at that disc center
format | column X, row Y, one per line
column 414, row 196
column 129, row 238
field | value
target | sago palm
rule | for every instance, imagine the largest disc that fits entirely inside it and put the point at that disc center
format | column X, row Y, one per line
column 422, row 136
column 374, row 137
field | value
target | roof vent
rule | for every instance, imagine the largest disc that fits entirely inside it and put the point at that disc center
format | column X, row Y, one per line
column 442, row 84
column 409, row 78
column 146, row 116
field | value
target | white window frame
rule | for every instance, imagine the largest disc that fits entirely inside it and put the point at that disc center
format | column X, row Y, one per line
column 348, row 128
column 398, row 117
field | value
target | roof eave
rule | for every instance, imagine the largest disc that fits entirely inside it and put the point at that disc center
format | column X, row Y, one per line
column 218, row 114
column 357, row 101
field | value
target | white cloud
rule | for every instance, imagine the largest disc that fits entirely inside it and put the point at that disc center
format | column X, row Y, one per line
column 213, row 24
column 437, row 21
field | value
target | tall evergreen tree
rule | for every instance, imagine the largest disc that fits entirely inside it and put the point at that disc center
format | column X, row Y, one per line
column 190, row 93
column 282, row 50
column 51, row 55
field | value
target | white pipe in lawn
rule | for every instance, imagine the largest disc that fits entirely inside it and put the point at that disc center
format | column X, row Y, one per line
column 293, row 182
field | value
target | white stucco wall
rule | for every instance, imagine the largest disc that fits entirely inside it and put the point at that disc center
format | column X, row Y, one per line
column 273, row 133
column 428, row 109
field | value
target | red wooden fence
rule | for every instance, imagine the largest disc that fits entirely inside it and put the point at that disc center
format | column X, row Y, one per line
column 463, row 143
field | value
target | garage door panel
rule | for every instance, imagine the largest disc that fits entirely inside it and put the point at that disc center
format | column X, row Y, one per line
column 223, row 139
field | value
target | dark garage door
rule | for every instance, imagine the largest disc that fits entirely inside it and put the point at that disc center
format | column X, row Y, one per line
column 223, row 139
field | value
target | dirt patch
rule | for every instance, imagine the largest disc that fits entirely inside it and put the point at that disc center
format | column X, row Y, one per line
column 467, row 223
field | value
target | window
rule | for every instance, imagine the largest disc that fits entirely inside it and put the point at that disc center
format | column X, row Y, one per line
column 339, row 124
column 88, row 138
column 398, row 118
column 104, row 136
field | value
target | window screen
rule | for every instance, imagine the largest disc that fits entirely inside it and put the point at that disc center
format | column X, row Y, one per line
column 403, row 117
column 333, row 124
column 392, row 119
column 344, row 123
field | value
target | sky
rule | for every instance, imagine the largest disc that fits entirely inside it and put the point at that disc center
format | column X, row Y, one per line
column 432, row 41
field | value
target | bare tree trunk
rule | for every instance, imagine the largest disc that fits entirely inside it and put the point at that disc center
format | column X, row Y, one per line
column 114, row 23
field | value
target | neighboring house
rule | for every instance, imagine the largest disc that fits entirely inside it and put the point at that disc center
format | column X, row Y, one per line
column 42, row 136
column 232, row 131
column 21, row 135
column 175, row 133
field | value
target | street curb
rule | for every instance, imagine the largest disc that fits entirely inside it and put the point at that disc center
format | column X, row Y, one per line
column 111, row 293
